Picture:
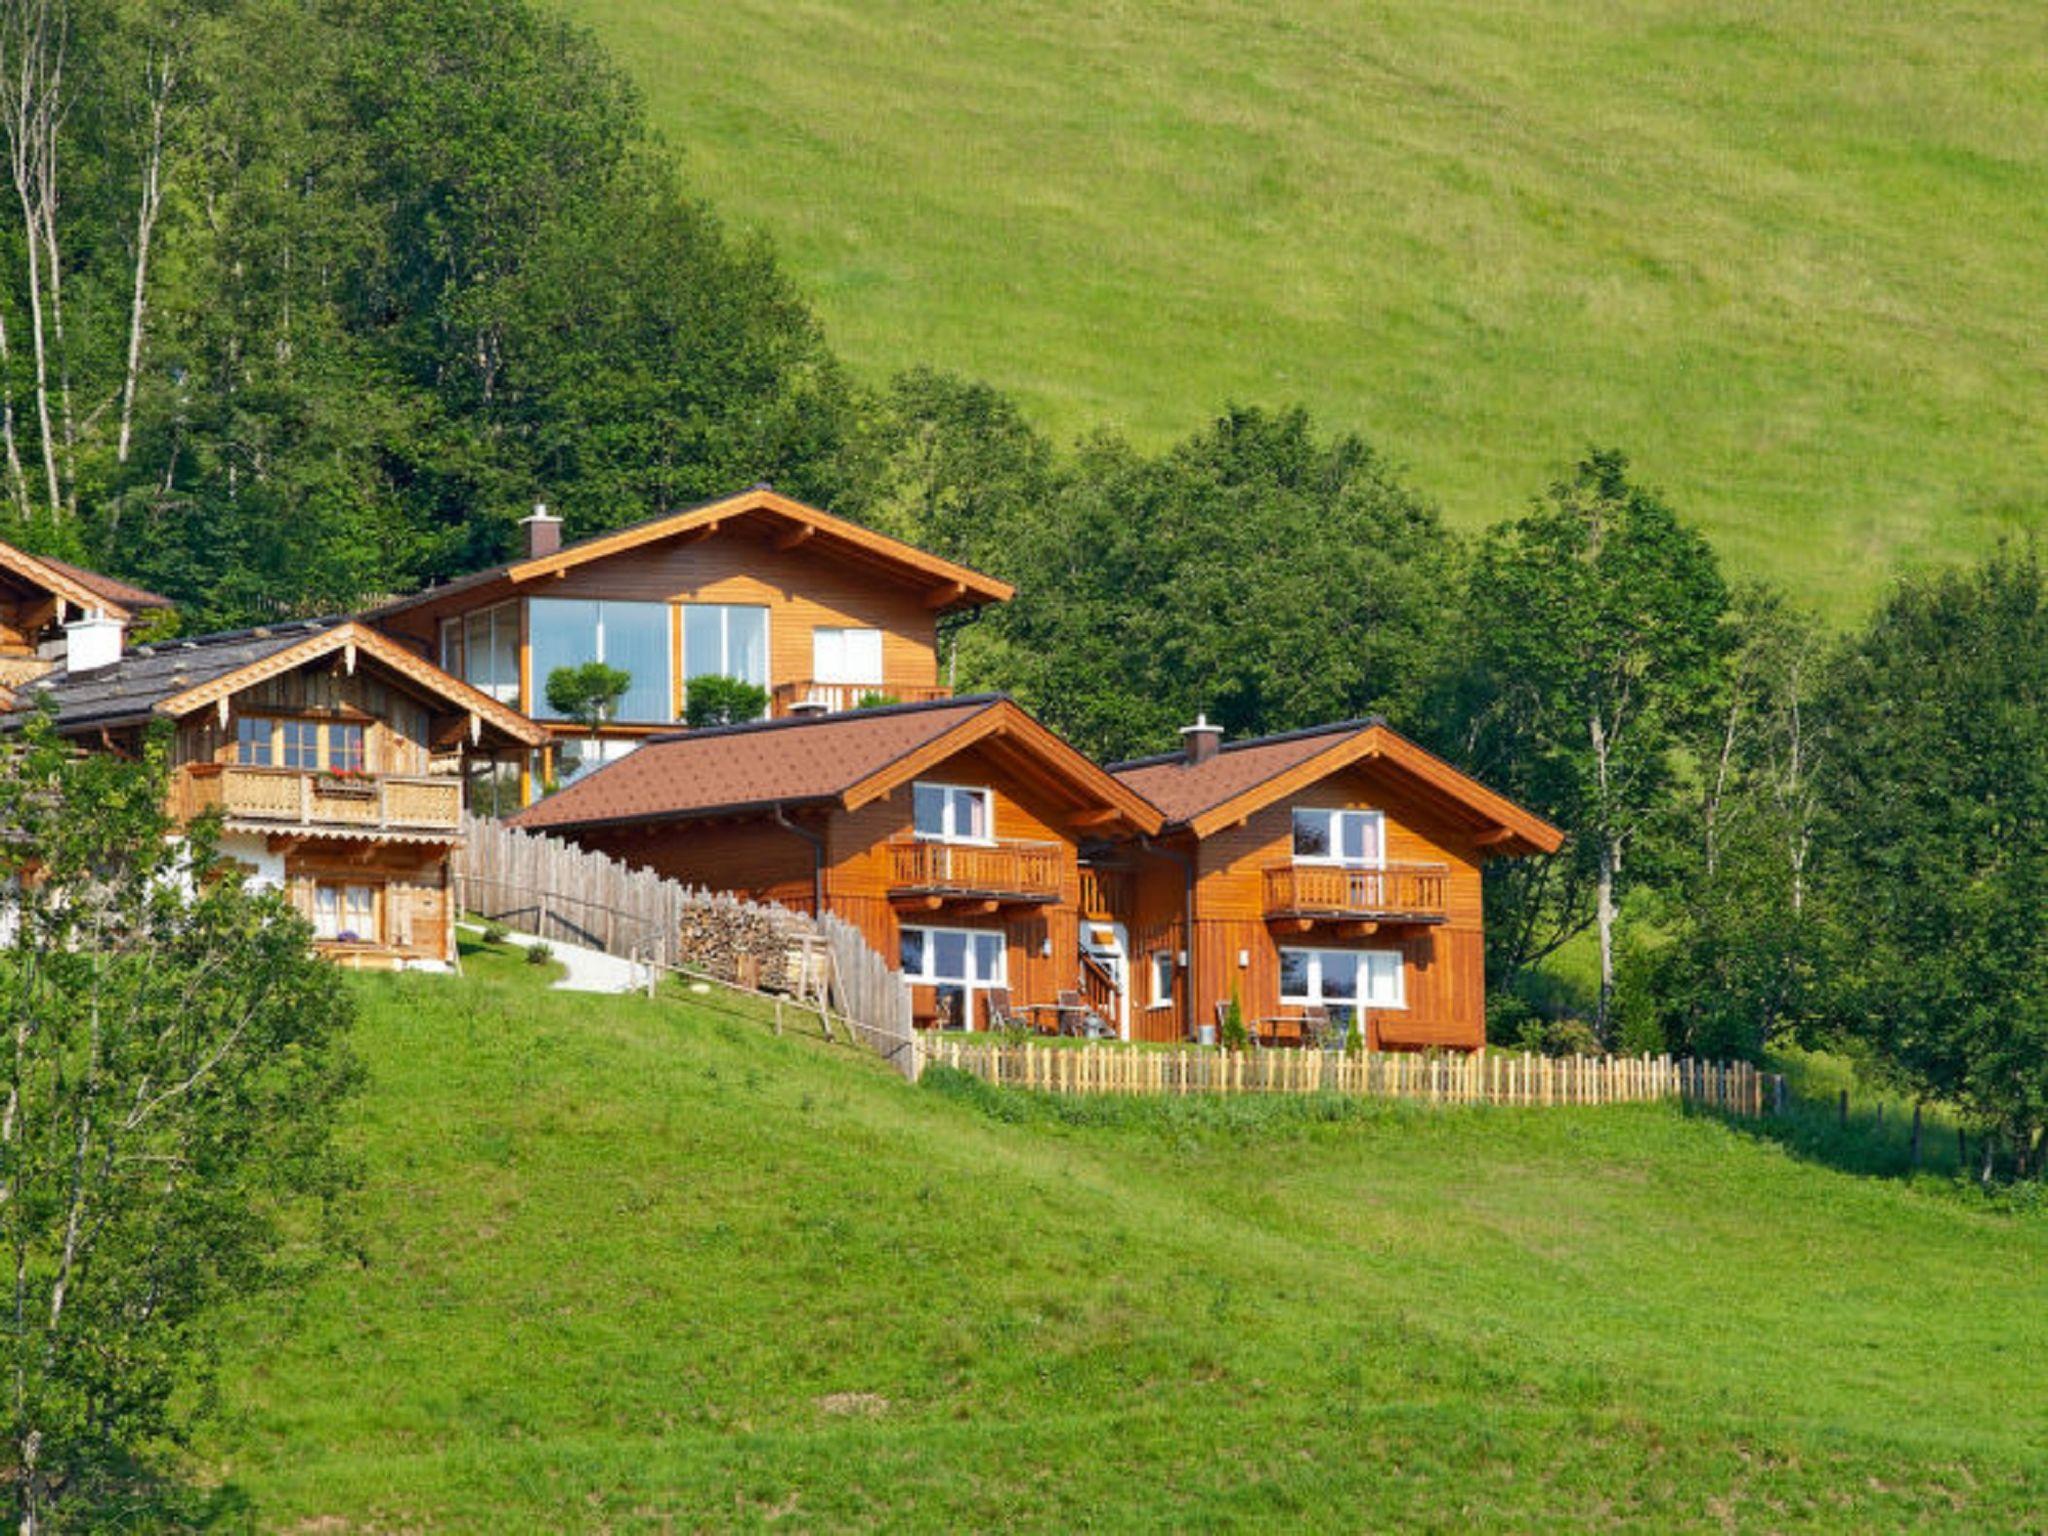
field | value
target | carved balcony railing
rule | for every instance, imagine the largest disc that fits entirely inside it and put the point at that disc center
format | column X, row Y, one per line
column 1406, row 893
column 293, row 797
column 1005, row 872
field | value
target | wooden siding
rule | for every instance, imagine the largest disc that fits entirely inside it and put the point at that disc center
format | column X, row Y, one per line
column 1236, row 948
column 802, row 589
column 396, row 724
column 410, row 882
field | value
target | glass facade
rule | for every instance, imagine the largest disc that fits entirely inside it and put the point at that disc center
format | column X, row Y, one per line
column 633, row 637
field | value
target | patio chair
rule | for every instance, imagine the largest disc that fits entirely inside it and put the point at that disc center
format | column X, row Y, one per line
column 1315, row 1025
column 1073, row 1014
column 1002, row 1015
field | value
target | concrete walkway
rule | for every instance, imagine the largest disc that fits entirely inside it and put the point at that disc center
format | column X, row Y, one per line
column 588, row 970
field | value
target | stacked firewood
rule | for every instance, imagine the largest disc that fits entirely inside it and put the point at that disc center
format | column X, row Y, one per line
column 738, row 941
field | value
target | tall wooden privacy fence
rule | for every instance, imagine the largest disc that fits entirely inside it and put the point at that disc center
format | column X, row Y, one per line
column 1487, row 1078
column 569, row 895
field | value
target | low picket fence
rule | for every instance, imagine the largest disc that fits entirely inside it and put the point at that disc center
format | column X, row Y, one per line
column 1485, row 1077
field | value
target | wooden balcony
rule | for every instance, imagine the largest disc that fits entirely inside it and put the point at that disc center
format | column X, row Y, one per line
column 292, row 797
column 837, row 698
column 1001, row 874
column 1398, row 893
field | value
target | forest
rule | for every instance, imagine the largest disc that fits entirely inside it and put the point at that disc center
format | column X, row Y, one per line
column 307, row 301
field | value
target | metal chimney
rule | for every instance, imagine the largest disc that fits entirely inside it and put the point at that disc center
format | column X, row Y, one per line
column 1199, row 742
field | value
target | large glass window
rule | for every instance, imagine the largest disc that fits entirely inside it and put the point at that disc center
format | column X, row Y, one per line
column 961, row 963
column 846, row 655
column 1342, row 980
column 489, row 651
column 951, row 813
column 725, row 640
column 1340, row 837
column 567, row 632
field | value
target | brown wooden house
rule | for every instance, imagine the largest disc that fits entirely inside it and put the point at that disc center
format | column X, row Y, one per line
column 1335, row 869
column 41, row 596
column 949, row 832
column 332, row 754
column 821, row 613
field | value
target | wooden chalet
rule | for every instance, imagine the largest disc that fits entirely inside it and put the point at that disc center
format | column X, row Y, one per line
column 821, row 613
column 332, row 754
column 949, row 833
column 40, row 596
column 1332, row 872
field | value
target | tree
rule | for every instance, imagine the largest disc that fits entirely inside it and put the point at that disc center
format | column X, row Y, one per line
column 1932, row 854
column 715, row 700
column 1258, row 571
column 588, row 694
column 175, row 1059
column 1595, row 622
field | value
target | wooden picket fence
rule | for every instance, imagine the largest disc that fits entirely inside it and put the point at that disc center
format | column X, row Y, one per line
column 1486, row 1077
column 559, row 892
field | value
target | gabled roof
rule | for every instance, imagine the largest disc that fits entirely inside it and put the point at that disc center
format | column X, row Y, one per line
column 1246, row 776
column 946, row 585
column 77, row 586
column 842, row 761
column 172, row 678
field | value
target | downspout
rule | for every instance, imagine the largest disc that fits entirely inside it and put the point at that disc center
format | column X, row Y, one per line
column 817, row 858
column 1187, row 925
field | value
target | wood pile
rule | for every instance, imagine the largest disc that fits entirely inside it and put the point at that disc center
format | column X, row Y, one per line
column 744, row 942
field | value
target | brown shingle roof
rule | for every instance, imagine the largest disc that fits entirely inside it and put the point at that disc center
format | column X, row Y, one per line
column 827, row 759
column 1184, row 790
column 113, row 589
column 733, row 767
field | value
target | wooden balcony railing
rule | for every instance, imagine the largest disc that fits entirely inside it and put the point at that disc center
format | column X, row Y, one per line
column 1105, row 893
column 1400, row 892
column 991, row 871
column 295, row 797
column 837, row 698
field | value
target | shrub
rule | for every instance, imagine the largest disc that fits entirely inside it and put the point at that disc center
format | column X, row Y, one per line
column 715, row 700
column 496, row 933
column 1235, row 1036
column 876, row 701
column 539, row 954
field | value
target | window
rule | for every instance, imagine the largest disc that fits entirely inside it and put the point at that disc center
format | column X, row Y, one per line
column 484, row 651
column 345, row 748
column 633, row 637
column 1342, row 980
column 345, row 913
column 299, row 742
column 960, row 962
column 1340, row 837
column 950, row 813
column 846, row 655
column 252, row 741
column 1162, row 978
column 724, row 640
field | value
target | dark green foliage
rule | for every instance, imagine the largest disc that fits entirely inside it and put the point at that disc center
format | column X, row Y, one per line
column 1594, row 627
column 588, row 693
column 539, row 954
column 1236, row 1036
column 1934, row 841
column 714, row 700
column 177, row 1061
column 1258, row 572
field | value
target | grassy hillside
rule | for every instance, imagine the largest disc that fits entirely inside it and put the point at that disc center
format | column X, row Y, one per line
column 1791, row 255
column 636, row 1265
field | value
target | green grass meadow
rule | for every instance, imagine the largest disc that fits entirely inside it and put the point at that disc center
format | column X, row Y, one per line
column 642, row 1265
column 1790, row 254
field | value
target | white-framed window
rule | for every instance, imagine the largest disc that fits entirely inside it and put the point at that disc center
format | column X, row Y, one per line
column 725, row 640
column 1343, row 980
column 632, row 637
column 840, row 655
column 345, row 912
column 1357, row 838
column 962, row 963
column 1162, row 978
column 952, row 813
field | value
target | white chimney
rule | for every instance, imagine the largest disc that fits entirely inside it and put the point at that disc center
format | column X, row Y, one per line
column 92, row 642
column 1198, row 742
column 543, row 532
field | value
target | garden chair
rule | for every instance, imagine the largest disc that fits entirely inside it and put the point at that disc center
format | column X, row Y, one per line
column 1002, row 1015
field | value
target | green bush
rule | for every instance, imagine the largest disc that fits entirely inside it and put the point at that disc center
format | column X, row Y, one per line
column 539, row 954
column 876, row 701
column 496, row 933
column 1235, row 1036
column 715, row 700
